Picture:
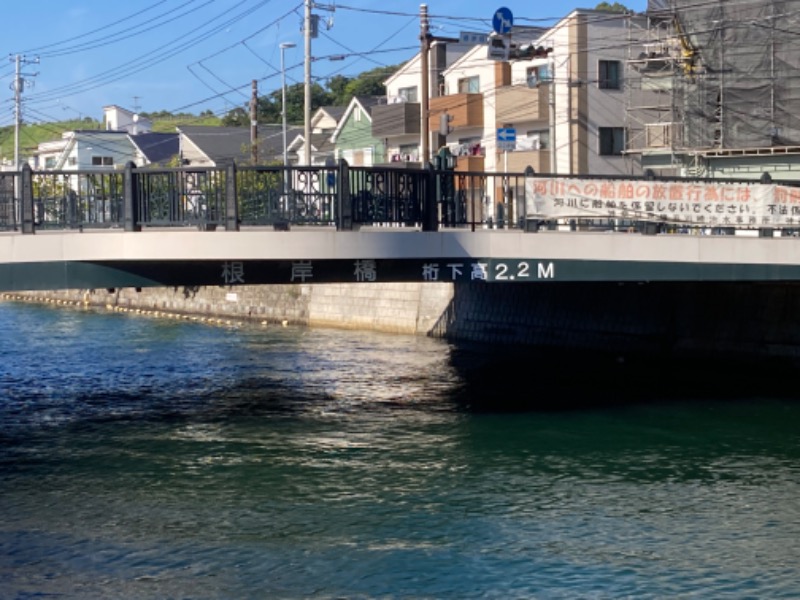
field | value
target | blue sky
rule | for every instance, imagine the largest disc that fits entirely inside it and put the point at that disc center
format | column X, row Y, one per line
column 197, row 55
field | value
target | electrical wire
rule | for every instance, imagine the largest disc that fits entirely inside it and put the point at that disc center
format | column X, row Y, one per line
column 322, row 77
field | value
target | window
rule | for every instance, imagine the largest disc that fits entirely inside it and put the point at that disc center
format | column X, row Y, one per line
column 469, row 85
column 50, row 162
column 105, row 161
column 538, row 139
column 469, row 146
column 408, row 94
column 609, row 75
column 612, row 141
column 409, row 152
column 537, row 75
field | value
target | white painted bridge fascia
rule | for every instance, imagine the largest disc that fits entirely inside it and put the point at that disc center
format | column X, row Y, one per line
column 387, row 244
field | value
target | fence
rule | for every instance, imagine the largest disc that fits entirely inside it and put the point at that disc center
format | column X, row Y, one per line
column 9, row 207
column 232, row 197
column 347, row 198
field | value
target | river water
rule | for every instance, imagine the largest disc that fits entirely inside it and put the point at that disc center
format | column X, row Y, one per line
column 144, row 457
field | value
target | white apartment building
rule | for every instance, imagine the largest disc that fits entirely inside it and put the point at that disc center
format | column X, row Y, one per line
column 85, row 149
column 398, row 122
column 565, row 104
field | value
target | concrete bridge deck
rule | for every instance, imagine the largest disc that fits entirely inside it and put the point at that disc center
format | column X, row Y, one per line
column 168, row 257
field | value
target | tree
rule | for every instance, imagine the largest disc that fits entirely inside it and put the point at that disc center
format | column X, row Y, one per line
column 238, row 117
column 338, row 89
column 269, row 106
column 615, row 8
column 369, row 83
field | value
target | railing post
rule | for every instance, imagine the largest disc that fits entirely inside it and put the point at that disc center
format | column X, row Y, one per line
column 131, row 199
column 231, row 203
column 529, row 208
column 430, row 201
column 344, row 203
column 765, row 179
column 649, row 227
column 26, row 200
column 519, row 201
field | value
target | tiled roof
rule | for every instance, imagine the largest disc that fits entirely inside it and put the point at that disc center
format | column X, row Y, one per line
column 157, row 147
column 223, row 144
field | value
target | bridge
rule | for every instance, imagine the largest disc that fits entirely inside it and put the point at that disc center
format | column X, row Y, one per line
column 111, row 259
column 265, row 225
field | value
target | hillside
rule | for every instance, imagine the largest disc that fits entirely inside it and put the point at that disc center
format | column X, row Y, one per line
column 30, row 136
column 339, row 92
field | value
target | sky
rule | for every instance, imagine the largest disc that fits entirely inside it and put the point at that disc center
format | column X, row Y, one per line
column 193, row 56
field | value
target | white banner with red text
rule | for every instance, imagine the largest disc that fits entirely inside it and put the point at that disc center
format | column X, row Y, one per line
column 716, row 204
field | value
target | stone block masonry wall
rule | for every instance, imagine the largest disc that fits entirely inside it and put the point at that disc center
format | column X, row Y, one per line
column 409, row 308
column 699, row 321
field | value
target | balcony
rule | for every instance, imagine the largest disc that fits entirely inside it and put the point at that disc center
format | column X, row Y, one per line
column 517, row 103
column 466, row 110
column 469, row 164
column 519, row 160
column 402, row 118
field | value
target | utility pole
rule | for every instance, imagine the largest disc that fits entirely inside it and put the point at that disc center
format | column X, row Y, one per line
column 254, row 122
column 307, row 86
column 18, row 84
column 19, row 87
column 425, row 45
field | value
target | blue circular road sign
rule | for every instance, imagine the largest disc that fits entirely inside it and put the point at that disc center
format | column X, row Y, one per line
column 502, row 20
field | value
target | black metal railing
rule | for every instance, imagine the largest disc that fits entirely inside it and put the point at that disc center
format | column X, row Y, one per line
column 335, row 195
column 389, row 196
column 74, row 200
column 9, row 207
column 230, row 197
column 180, row 197
column 233, row 197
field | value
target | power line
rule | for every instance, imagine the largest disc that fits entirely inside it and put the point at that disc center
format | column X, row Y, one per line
column 114, row 38
column 40, row 50
column 155, row 57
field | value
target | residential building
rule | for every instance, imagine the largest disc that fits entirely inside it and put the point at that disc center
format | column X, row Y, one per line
column 560, row 98
column 724, row 97
column 206, row 146
column 353, row 137
column 156, row 149
column 116, row 118
column 126, row 138
column 323, row 125
column 397, row 120
column 85, row 149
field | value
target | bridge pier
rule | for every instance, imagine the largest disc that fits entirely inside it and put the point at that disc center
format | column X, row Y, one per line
column 702, row 322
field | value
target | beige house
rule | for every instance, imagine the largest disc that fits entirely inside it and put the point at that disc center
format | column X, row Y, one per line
column 552, row 99
column 557, row 105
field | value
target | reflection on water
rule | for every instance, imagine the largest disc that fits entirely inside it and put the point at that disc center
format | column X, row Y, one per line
column 149, row 459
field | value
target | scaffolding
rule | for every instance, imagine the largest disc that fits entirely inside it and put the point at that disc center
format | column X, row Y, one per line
column 717, row 77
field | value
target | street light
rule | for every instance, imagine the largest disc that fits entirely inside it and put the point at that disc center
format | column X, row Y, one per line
column 283, row 47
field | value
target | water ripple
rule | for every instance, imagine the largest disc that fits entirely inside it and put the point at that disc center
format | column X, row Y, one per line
column 141, row 459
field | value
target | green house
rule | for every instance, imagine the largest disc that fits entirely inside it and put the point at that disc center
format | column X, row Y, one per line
column 353, row 137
